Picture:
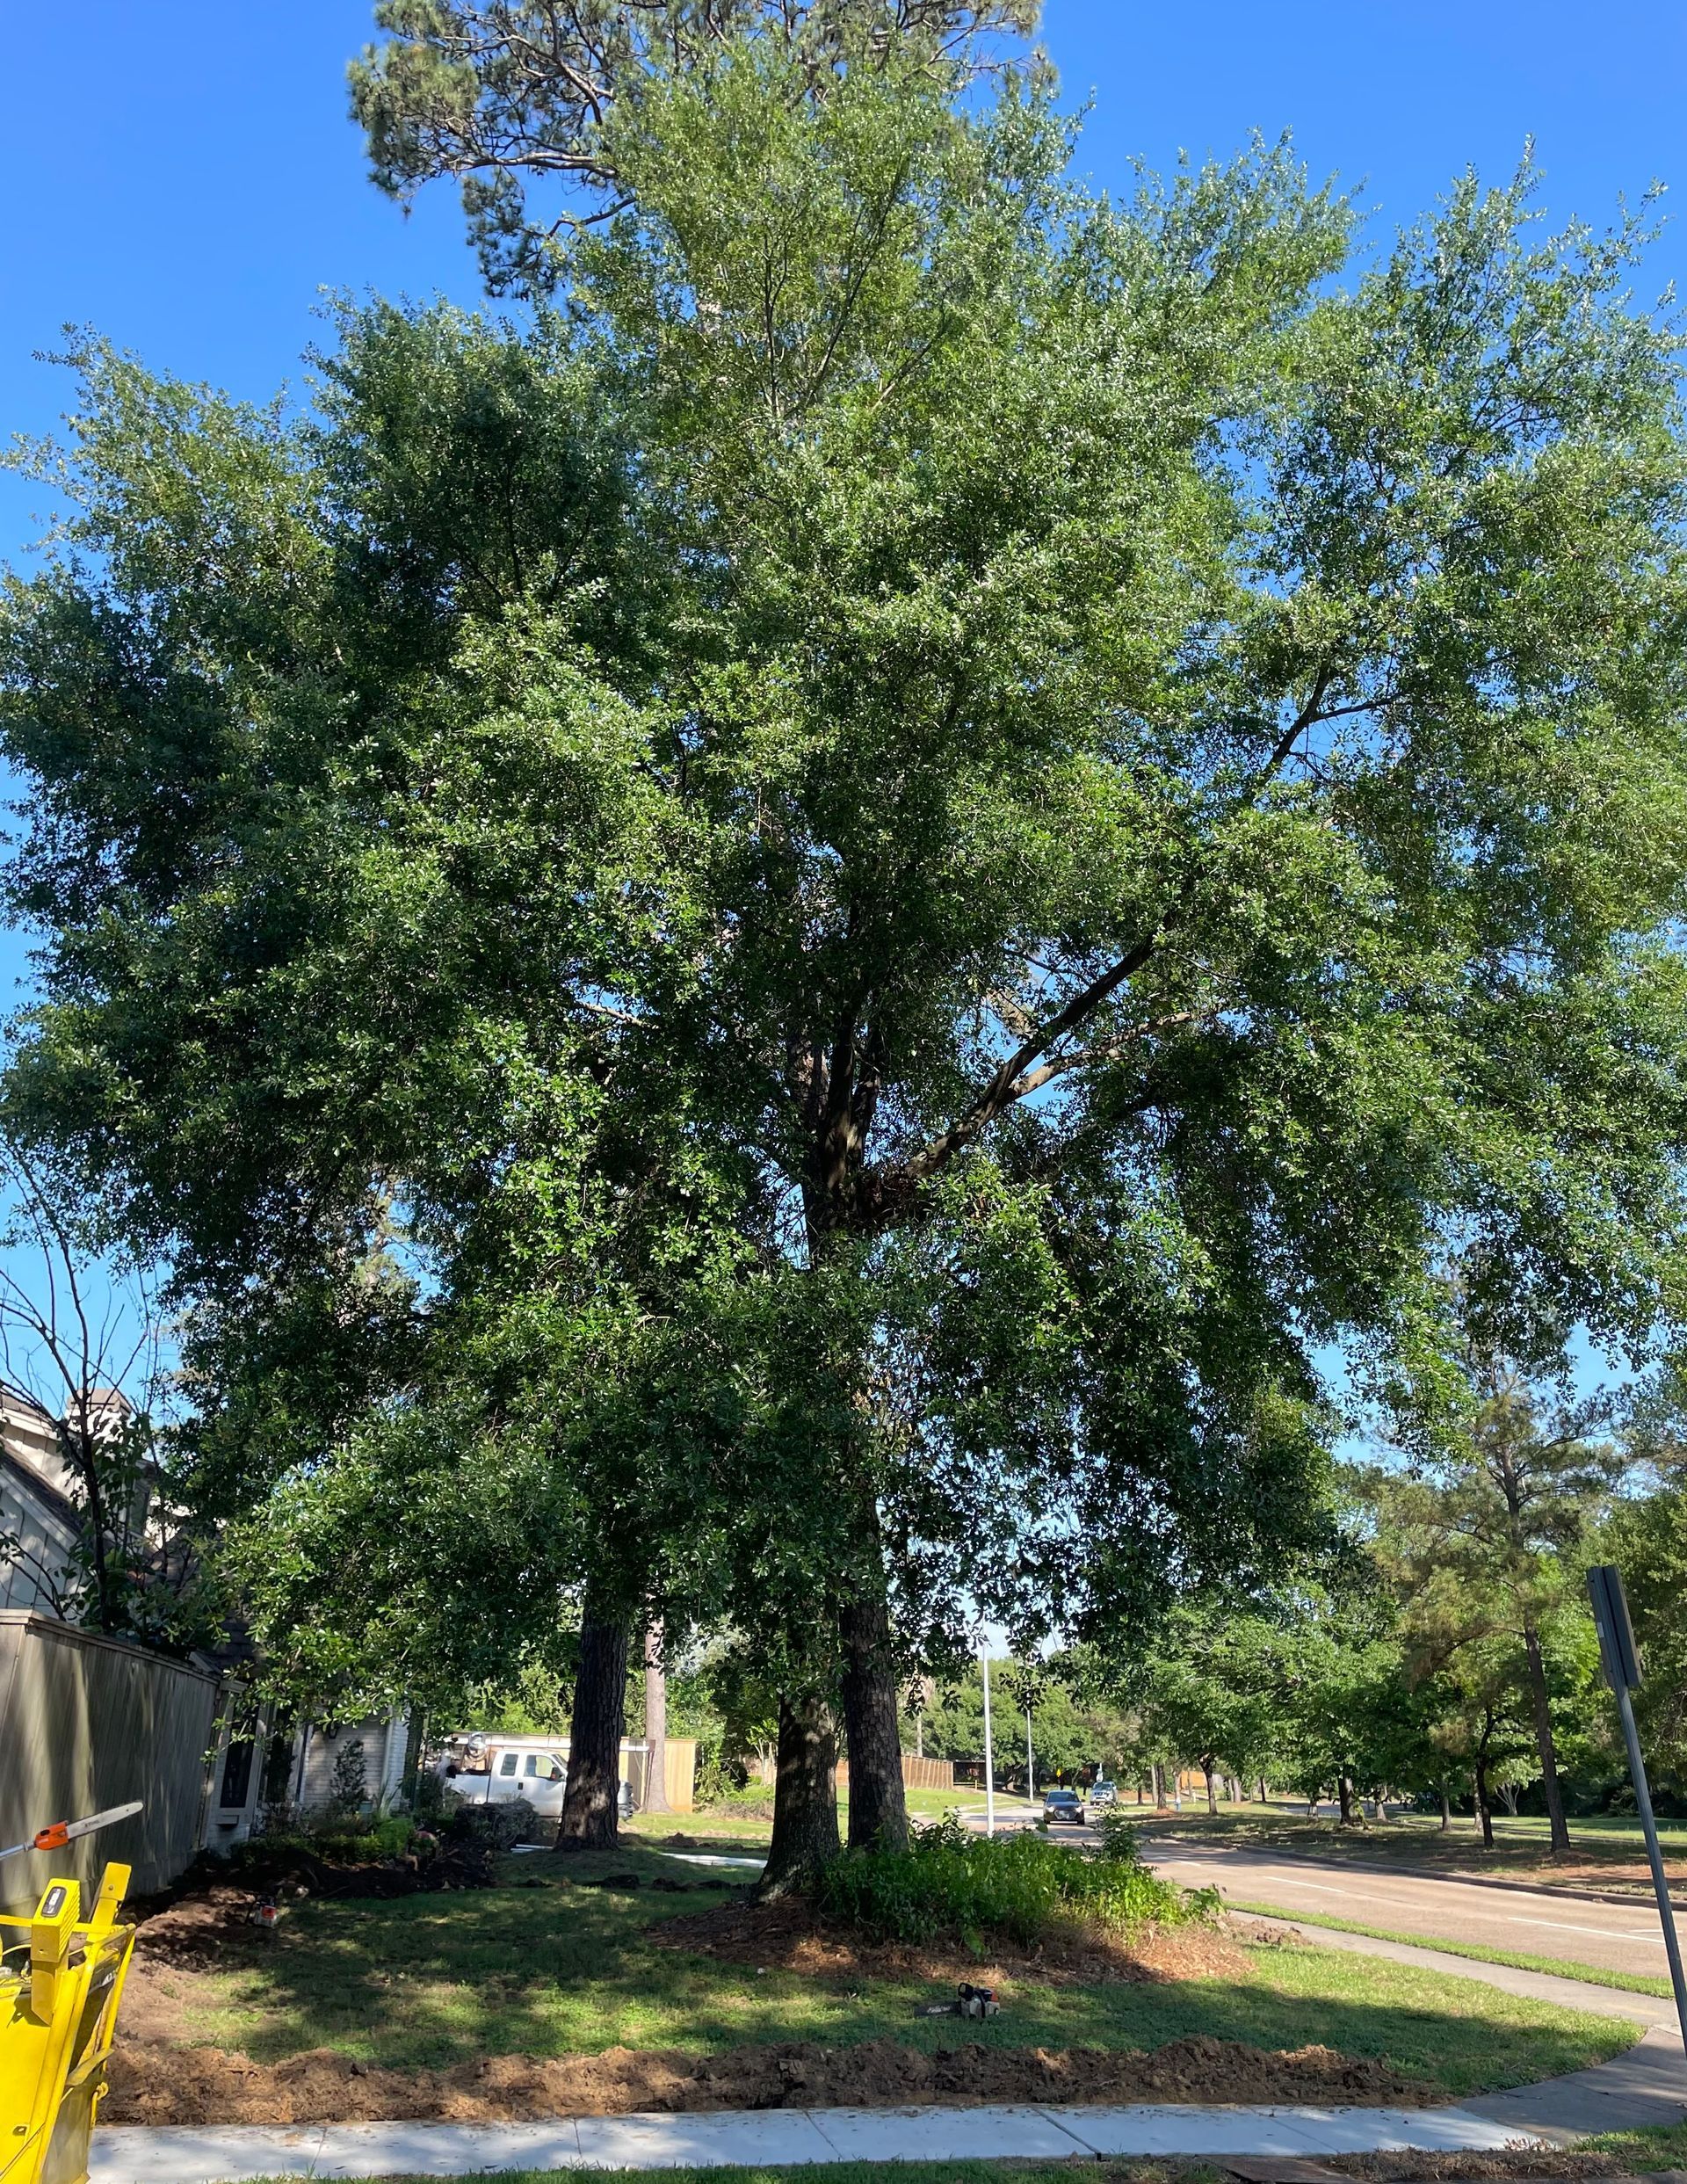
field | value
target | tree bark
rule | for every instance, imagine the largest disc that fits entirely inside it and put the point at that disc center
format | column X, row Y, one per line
column 1344, row 1795
column 1543, row 1741
column 1212, row 1800
column 1158, row 1775
column 1484, row 1818
column 1446, row 1806
column 656, row 1724
column 591, row 1801
column 878, row 1804
column 804, row 1796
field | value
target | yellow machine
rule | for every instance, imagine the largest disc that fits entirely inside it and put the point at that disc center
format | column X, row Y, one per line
column 60, row 1981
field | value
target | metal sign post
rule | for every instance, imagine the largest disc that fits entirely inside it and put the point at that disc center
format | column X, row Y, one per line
column 989, row 1753
column 1622, row 1666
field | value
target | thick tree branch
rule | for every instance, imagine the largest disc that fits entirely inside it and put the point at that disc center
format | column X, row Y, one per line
column 1011, row 1082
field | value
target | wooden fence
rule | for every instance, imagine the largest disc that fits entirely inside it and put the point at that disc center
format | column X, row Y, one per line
column 916, row 1774
column 86, row 1723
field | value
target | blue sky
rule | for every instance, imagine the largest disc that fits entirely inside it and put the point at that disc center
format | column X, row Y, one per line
column 182, row 173
column 182, row 176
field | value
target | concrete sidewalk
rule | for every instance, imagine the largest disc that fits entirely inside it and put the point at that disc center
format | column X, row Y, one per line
column 783, row 2136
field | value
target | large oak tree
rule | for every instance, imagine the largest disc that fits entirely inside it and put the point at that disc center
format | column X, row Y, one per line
column 787, row 942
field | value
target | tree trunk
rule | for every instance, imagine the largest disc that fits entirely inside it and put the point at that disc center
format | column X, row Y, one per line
column 656, row 1724
column 1344, row 1795
column 804, row 1796
column 591, row 1801
column 1446, row 1806
column 1159, row 1783
column 878, row 1805
column 1484, row 1818
column 1544, row 1742
column 1212, row 1801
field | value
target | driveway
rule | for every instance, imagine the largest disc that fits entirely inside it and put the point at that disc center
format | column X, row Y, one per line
column 1615, row 1937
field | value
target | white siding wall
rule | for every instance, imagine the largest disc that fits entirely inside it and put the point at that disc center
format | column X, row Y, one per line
column 384, row 1746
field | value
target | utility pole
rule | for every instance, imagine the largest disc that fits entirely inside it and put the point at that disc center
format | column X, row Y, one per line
column 1621, row 1661
column 990, row 1754
column 1031, row 1763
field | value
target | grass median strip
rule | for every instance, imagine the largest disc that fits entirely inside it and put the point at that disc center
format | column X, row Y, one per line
column 1557, row 1967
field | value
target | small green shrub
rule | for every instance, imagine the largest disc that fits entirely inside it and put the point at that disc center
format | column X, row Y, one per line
column 1021, row 1886
column 334, row 1840
column 348, row 1786
column 428, row 1800
column 709, row 1782
column 1117, row 1835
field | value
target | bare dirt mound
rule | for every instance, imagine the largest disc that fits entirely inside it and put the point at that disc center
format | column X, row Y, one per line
column 162, row 2085
column 787, row 1935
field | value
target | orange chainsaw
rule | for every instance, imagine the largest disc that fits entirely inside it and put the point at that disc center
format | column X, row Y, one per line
column 64, row 1831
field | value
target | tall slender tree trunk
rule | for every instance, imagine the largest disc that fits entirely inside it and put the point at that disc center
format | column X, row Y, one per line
column 656, row 1724
column 1211, row 1799
column 804, row 1795
column 1484, row 1817
column 1158, row 1773
column 591, row 1801
column 1345, row 1797
column 1446, row 1806
column 878, row 1803
column 1544, row 1744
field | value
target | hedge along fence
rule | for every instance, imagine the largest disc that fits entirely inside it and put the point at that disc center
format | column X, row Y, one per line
column 1020, row 1886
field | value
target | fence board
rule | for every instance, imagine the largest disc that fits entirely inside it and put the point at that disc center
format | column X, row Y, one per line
column 87, row 1722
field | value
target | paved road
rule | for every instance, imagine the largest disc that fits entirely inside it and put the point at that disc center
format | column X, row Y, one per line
column 1610, row 1936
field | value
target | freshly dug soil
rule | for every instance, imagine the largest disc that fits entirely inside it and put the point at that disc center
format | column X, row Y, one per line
column 787, row 1935
column 159, row 2084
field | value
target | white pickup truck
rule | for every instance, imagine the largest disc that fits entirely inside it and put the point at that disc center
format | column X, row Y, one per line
column 490, row 1768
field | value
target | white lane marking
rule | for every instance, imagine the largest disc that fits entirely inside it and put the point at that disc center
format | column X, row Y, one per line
column 1607, row 1934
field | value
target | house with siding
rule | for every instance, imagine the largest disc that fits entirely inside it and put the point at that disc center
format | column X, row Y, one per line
column 39, row 1528
column 257, row 1758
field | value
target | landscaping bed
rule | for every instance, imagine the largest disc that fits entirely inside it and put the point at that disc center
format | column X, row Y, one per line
column 206, row 2085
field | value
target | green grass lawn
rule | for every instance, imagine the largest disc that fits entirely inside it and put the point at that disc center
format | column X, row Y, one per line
column 866, row 2172
column 1643, row 2150
column 433, row 1981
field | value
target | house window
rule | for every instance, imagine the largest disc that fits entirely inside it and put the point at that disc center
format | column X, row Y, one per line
column 237, row 1765
column 509, row 1762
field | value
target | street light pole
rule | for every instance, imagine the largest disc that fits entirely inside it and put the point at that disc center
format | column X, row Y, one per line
column 990, row 1755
